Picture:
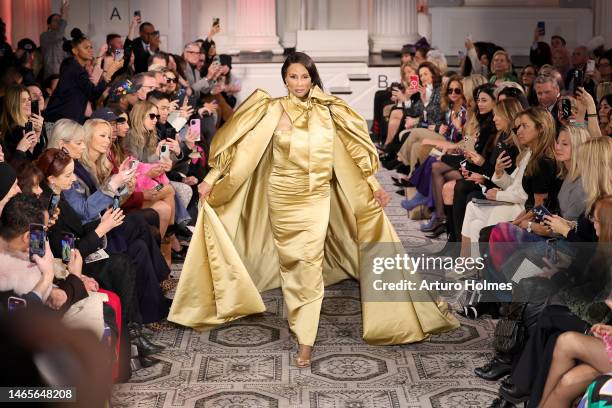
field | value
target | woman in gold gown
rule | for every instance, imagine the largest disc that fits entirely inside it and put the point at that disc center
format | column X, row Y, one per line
column 292, row 201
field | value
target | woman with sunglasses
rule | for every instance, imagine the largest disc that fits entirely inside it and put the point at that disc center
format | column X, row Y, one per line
column 451, row 133
column 143, row 145
column 134, row 282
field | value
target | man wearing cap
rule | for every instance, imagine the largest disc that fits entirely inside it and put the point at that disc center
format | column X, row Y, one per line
column 51, row 41
column 8, row 184
column 123, row 93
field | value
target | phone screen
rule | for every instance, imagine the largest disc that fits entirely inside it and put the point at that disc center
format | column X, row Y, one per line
column 158, row 187
column 216, row 21
column 53, row 202
column 137, row 13
column 67, row 247
column 116, row 202
column 119, row 54
column 16, row 303
column 37, row 240
column 35, row 107
column 542, row 27
column 28, row 126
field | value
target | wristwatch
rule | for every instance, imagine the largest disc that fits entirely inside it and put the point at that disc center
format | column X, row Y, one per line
column 529, row 226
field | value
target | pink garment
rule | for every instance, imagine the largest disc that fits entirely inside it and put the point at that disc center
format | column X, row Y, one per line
column 144, row 182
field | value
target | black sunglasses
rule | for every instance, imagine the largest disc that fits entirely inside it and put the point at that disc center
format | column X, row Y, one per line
column 457, row 91
column 153, row 116
column 171, row 80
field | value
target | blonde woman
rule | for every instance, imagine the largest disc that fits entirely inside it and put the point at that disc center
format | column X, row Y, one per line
column 143, row 145
column 16, row 137
column 531, row 184
column 501, row 67
column 404, row 99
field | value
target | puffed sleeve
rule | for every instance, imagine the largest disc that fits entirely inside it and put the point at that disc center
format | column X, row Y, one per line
column 223, row 146
column 352, row 130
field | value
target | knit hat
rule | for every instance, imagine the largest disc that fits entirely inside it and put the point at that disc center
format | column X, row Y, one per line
column 7, row 179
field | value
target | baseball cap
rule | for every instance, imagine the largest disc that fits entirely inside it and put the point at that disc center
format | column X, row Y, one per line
column 104, row 114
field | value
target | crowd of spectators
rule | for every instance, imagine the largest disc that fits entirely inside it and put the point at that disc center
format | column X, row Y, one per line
column 101, row 152
column 515, row 165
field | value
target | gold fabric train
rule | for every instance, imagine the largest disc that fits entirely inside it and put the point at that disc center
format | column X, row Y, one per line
column 232, row 256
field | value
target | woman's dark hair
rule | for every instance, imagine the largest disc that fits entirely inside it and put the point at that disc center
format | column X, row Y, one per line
column 307, row 62
column 77, row 38
column 435, row 72
column 607, row 98
column 541, row 55
column 488, row 89
column 27, row 175
column 512, row 92
column 52, row 162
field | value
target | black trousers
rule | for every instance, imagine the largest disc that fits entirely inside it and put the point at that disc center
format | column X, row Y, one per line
column 117, row 273
column 531, row 370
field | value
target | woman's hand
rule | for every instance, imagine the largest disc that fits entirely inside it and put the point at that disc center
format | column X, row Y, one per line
column 90, row 284
column 57, row 298
column 120, row 179
column 382, row 197
column 491, row 194
column 192, row 136
column 210, row 107
column 477, row 178
column 190, row 181
column 585, row 103
column 558, row 224
column 502, row 163
column 37, row 123
column 54, row 217
column 457, row 122
column 541, row 230
column 175, row 147
column 474, row 157
column 204, row 190
column 1, row 155
column 525, row 216
column 27, row 142
column 442, row 130
column 75, row 266
column 110, row 219
column 397, row 95
column 599, row 330
column 410, row 122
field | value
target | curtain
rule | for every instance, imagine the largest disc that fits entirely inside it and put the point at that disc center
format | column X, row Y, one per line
column 29, row 19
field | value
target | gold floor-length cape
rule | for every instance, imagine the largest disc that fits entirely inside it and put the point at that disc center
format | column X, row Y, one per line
column 232, row 256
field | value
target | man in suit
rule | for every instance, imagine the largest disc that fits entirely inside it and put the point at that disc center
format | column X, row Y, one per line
column 192, row 54
column 141, row 48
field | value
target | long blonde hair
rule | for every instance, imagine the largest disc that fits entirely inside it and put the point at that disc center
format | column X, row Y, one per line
column 64, row 130
column 595, row 158
column 12, row 115
column 101, row 168
column 545, row 125
column 509, row 109
column 141, row 142
column 577, row 137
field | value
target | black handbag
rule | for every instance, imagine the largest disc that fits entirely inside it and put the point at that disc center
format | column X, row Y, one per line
column 509, row 334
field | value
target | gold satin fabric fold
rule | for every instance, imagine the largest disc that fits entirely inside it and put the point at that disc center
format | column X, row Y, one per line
column 228, row 280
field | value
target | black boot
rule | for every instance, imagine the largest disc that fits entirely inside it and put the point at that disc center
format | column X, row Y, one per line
column 450, row 225
column 145, row 346
column 495, row 369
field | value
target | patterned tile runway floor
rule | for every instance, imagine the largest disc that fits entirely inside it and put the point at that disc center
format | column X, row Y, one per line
column 246, row 364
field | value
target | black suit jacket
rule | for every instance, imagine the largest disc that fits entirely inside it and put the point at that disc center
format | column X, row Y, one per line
column 141, row 56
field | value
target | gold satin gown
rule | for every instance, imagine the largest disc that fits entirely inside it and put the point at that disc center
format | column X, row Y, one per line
column 299, row 218
column 295, row 210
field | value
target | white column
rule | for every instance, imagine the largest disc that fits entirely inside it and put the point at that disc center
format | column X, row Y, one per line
column 602, row 16
column 254, row 26
column 394, row 23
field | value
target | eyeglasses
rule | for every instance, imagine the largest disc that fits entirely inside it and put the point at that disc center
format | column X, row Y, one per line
column 171, row 80
column 153, row 116
column 457, row 91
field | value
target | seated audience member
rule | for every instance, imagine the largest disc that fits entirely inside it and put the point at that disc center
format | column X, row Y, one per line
column 17, row 215
column 445, row 169
column 144, row 83
column 232, row 82
column 122, row 94
column 29, row 177
column 75, row 87
column 19, row 141
column 137, row 287
column 578, row 358
column 531, row 184
column 501, row 68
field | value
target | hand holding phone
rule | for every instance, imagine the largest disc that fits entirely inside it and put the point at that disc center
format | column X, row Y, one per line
column 194, row 128
column 38, row 238
column 541, row 28
column 164, row 152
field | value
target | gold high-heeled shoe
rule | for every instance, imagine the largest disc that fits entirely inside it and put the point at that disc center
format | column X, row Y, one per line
column 301, row 363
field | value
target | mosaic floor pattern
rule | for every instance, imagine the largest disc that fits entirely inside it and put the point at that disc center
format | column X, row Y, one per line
column 246, row 364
